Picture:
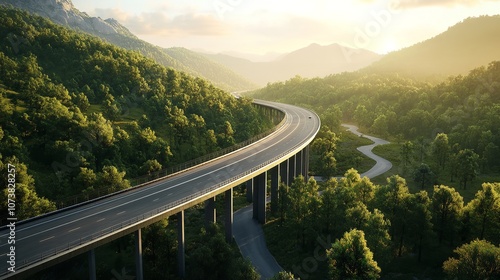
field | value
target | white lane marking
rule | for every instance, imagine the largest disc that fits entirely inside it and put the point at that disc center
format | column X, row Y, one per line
column 120, row 213
column 46, row 239
column 286, row 124
column 100, row 220
column 74, row 229
column 156, row 200
column 155, row 193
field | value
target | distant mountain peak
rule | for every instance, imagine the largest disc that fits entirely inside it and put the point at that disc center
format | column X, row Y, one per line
column 64, row 12
column 469, row 44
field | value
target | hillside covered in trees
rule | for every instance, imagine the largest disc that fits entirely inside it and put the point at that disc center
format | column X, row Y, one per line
column 64, row 12
column 465, row 108
column 433, row 218
column 467, row 45
column 78, row 114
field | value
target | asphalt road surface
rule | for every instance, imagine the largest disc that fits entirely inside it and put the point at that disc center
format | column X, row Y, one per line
column 250, row 238
column 80, row 227
column 382, row 165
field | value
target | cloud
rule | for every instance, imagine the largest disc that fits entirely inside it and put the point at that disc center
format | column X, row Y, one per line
column 159, row 24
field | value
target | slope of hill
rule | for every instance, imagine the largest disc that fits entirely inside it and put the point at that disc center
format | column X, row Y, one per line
column 308, row 62
column 219, row 74
column 64, row 13
column 80, row 112
column 471, row 43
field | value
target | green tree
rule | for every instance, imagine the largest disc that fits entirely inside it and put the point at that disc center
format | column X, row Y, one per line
column 377, row 236
column 468, row 166
column 329, row 204
column 364, row 190
column 391, row 200
column 447, row 206
column 478, row 259
column 423, row 175
column 111, row 109
column 350, row 258
column 150, row 166
column 332, row 117
column 100, row 130
column 302, row 197
column 324, row 146
column 159, row 250
column 113, row 179
column 484, row 213
column 421, row 148
column 28, row 203
column 441, row 149
column 420, row 227
column 204, row 262
column 86, row 179
column 380, row 125
column 406, row 152
column 283, row 201
column 82, row 102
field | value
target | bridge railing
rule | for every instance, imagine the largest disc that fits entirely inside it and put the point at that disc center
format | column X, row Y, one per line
column 150, row 214
column 166, row 172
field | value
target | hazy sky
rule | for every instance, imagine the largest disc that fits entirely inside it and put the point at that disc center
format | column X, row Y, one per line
column 261, row 26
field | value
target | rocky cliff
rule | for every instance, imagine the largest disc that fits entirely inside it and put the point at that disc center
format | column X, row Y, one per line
column 63, row 12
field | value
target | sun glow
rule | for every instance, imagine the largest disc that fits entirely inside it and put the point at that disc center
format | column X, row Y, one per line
column 388, row 46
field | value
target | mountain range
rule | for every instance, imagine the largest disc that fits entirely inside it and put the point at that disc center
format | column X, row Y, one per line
column 312, row 61
column 226, row 71
column 470, row 43
column 63, row 12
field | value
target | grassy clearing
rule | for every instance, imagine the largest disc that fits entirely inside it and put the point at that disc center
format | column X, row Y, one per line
column 348, row 156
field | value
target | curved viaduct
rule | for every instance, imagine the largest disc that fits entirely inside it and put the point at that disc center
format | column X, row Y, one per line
column 44, row 241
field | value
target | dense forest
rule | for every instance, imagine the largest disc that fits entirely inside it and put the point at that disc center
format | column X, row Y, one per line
column 78, row 114
column 184, row 60
column 356, row 229
column 417, row 223
column 465, row 108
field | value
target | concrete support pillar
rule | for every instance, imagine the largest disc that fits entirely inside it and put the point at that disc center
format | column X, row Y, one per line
column 255, row 199
column 274, row 188
column 139, row 272
column 228, row 210
column 284, row 172
column 210, row 211
column 260, row 198
column 298, row 164
column 249, row 184
column 291, row 170
column 181, row 257
column 92, row 268
column 305, row 162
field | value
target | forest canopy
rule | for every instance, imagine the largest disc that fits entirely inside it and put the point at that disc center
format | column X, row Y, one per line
column 78, row 114
column 465, row 108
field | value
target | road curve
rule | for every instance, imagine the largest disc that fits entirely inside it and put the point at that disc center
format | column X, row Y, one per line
column 382, row 165
column 250, row 237
column 43, row 241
